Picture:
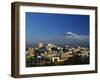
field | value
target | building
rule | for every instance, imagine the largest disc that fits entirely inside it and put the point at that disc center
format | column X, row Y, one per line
column 55, row 59
column 31, row 51
column 40, row 45
column 63, row 56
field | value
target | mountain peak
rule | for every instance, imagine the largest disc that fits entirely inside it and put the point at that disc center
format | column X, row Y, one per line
column 70, row 34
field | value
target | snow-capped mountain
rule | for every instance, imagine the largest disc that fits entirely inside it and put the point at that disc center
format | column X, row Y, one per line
column 70, row 39
column 70, row 34
column 75, row 39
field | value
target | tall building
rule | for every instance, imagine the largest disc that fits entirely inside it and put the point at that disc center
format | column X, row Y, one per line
column 40, row 45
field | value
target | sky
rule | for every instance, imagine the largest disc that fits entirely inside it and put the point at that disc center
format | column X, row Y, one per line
column 41, row 26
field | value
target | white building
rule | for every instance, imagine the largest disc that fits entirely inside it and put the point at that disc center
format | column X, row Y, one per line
column 40, row 45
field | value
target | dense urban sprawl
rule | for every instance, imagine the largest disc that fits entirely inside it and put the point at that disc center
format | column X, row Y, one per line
column 52, row 55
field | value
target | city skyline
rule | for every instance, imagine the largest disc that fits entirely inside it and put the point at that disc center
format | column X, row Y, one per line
column 54, row 55
column 47, row 26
